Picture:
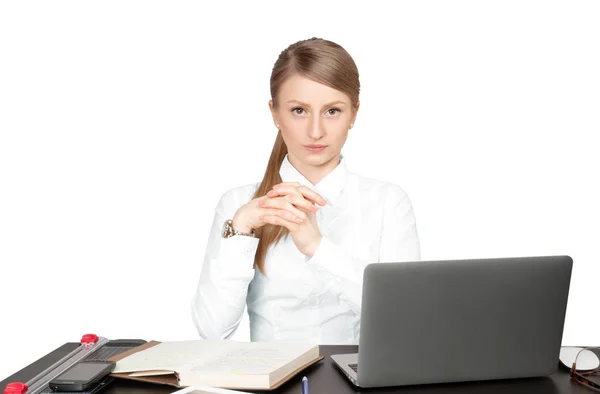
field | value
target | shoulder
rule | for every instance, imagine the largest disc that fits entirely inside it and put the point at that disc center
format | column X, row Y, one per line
column 387, row 192
column 235, row 197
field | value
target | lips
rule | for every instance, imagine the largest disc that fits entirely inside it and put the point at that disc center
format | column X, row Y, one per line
column 315, row 148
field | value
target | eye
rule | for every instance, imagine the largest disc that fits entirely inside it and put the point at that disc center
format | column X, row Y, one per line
column 336, row 110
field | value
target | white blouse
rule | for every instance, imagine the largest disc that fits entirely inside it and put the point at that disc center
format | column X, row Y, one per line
column 318, row 299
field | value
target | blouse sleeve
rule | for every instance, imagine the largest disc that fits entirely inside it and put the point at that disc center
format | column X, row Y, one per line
column 399, row 242
column 220, row 298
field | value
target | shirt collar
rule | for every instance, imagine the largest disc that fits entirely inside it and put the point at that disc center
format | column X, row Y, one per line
column 329, row 187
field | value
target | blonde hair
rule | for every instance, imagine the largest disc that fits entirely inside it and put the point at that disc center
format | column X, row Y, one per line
column 322, row 61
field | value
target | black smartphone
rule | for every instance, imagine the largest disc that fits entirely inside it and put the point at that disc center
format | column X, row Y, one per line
column 82, row 376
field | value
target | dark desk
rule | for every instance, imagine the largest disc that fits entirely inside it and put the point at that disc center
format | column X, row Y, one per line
column 324, row 377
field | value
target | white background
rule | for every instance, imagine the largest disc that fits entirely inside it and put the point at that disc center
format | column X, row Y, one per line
column 123, row 122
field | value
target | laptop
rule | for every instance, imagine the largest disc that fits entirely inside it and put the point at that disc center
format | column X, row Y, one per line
column 445, row 321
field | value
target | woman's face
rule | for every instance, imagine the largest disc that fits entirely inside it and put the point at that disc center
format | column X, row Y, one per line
column 314, row 120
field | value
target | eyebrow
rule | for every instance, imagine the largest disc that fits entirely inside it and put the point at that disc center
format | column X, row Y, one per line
column 326, row 105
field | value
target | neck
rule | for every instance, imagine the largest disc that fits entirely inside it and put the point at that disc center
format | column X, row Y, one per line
column 314, row 173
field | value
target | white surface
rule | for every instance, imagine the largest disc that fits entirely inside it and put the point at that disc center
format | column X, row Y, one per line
column 122, row 122
column 586, row 359
column 207, row 389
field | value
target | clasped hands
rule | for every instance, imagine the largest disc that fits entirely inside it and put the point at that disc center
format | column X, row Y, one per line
column 292, row 206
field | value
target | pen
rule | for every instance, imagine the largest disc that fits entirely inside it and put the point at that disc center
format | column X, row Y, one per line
column 305, row 385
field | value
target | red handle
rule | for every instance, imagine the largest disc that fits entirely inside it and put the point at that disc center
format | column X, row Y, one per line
column 89, row 338
column 15, row 388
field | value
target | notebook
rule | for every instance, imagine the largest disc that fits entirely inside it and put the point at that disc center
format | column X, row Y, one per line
column 218, row 363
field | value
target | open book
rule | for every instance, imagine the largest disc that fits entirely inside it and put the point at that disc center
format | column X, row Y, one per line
column 218, row 363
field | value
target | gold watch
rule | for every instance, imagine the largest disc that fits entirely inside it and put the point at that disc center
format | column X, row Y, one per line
column 229, row 231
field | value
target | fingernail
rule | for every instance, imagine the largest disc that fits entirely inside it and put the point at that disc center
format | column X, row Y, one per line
column 298, row 220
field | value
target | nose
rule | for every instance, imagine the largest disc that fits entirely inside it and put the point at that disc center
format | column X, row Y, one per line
column 316, row 130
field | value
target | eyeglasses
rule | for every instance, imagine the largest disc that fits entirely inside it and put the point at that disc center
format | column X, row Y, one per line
column 583, row 363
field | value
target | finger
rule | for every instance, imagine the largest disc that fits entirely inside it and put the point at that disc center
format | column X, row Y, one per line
column 301, row 203
column 281, row 213
column 288, row 184
column 312, row 195
column 278, row 221
column 296, row 199
column 282, row 203
column 303, row 191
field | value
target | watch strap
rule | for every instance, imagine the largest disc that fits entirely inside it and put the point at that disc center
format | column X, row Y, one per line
column 232, row 231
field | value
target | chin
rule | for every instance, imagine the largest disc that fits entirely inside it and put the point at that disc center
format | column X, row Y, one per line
column 317, row 160
column 313, row 159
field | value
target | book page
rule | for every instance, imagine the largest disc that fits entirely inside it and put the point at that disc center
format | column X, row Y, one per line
column 221, row 356
column 257, row 358
column 208, row 390
column 153, row 372
column 170, row 356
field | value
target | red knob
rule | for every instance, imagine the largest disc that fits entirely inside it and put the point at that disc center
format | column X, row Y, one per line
column 89, row 338
column 15, row 388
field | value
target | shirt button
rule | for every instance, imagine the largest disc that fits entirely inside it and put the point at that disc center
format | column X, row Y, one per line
column 313, row 301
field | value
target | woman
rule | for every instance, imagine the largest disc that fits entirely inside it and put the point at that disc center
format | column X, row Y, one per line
column 294, row 246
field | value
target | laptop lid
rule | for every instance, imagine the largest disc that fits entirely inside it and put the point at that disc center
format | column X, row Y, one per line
column 462, row 320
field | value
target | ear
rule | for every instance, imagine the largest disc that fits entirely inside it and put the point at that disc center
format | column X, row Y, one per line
column 273, row 113
column 355, row 112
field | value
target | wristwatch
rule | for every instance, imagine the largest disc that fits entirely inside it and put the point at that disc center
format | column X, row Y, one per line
column 229, row 231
